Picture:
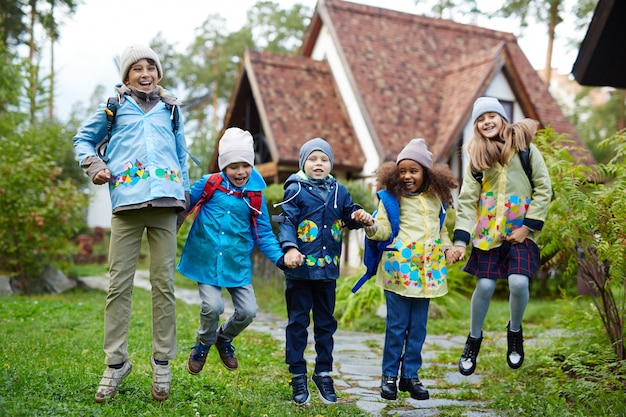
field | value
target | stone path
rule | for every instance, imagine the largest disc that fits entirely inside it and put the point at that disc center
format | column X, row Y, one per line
column 357, row 360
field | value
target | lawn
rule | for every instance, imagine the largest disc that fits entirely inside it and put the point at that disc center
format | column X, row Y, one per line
column 51, row 362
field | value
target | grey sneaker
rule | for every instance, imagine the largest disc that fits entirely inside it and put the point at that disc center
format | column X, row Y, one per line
column 111, row 379
column 161, row 381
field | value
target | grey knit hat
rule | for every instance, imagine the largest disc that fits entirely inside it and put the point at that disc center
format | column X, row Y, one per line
column 236, row 145
column 317, row 144
column 134, row 53
column 417, row 151
column 484, row 105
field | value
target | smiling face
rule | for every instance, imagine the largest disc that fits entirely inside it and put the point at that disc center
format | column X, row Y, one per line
column 317, row 165
column 411, row 174
column 143, row 76
column 490, row 125
column 238, row 173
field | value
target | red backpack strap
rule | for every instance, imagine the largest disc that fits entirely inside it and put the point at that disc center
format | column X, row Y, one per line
column 211, row 184
column 256, row 199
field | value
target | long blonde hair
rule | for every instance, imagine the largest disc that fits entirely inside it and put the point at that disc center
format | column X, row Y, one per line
column 485, row 153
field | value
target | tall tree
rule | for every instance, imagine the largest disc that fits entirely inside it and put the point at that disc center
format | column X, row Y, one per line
column 549, row 12
column 45, row 17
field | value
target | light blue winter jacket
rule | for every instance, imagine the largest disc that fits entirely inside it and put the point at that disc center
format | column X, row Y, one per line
column 147, row 160
column 220, row 243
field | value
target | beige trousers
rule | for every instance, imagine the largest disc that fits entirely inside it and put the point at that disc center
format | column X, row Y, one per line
column 126, row 235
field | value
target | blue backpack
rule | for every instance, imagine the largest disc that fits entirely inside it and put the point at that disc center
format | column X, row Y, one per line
column 373, row 250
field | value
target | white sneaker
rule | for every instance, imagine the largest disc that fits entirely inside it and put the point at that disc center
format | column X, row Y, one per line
column 161, row 381
column 111, row 379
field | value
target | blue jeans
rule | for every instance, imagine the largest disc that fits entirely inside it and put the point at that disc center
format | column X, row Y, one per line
column 303, row 296
column 405, row 330
column 212, row 306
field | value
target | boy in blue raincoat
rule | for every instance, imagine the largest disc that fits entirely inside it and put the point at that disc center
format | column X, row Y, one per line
column 219, row 246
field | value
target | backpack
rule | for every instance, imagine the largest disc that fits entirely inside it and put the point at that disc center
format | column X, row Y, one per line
column 214, row 182
column 524, row 157
column 373, row 250
column 111, row 111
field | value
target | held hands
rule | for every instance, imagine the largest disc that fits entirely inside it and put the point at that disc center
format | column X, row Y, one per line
column 102, row 177
column 363, row 217
column 518, row 235
column 454, row 254
column 293, row 258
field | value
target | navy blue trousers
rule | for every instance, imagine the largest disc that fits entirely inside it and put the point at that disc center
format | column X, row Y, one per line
column 304, row 296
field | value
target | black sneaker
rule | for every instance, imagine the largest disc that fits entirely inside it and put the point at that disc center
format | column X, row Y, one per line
column 467, row 363
column 300, row 390
column 326, row 388
column 515, row 350
column 415, row 388
column 388, row 387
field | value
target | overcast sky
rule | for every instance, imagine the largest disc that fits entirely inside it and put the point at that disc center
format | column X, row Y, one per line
column 100, row 30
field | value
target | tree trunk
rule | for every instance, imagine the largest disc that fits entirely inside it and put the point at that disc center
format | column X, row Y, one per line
column 553, row 20
column 31, row 56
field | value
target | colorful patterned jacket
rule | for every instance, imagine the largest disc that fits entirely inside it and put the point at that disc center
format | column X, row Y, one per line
column 147, row 160
column 418, row 266
column 314, row 224
column 488, row 212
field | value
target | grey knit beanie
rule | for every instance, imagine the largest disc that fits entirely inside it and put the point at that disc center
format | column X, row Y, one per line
column 236, row 145
column 134, row 53
column 417, row 151
column 484, row 105
column 317, row 144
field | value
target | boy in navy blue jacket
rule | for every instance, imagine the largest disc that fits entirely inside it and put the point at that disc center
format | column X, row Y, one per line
column 316, row 209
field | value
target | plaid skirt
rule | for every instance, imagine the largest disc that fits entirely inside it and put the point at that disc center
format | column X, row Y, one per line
column 500, row 262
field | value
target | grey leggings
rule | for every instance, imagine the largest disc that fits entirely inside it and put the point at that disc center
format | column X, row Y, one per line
column 518, row 299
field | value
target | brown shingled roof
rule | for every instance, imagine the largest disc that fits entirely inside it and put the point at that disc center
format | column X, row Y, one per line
column 413, row 76
column 301, row 102
column 418, row 76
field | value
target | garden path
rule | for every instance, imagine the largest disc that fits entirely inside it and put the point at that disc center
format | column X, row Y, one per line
column 357, row 358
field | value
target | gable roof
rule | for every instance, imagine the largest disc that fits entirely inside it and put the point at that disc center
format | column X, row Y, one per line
column 411, row 76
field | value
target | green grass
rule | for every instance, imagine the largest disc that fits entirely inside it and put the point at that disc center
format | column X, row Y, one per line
column 51, row 361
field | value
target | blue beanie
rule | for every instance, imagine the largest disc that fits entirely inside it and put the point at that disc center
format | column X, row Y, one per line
column 317, row 144
column 484, row 105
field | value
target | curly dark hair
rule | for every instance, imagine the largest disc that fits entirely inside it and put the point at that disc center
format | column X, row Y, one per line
column 439, row 180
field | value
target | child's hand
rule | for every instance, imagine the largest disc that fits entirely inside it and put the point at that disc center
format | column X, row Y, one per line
column 518, row 235
column 293, row 258
column 363, row 217
column 102, row 177
column 454, row 254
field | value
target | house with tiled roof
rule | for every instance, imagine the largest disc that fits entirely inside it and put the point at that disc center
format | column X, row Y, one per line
column 369, row 79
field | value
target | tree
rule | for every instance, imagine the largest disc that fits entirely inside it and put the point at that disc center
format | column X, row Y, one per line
column 41, row 206
column 549, row 12
column 585, row 232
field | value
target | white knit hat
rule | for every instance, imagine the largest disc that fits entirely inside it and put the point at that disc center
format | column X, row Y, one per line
column 417, row 151
column 484, row 105
column 236, row 145
column 134, row 53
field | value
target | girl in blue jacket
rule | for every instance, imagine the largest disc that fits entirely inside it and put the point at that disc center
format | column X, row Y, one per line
column 217, row 253
column 316, row 209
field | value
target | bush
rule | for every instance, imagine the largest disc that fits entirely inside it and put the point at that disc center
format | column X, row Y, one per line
column 41, row 211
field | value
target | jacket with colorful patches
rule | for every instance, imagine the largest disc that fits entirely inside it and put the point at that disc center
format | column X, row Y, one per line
column 220, row 242
column 147, row 159
column 489, row 211
column 314, row 224
column 417, row 268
